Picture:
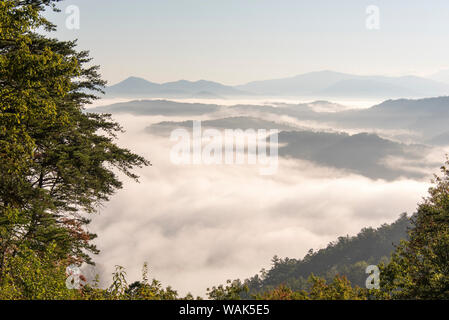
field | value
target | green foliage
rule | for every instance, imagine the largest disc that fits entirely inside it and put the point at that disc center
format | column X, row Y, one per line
column 58, row 163
column 232, row 291
column 339, row 289
column 317, row 289
column 282, row 293
column 348, row 256
column 138, row 290
column 32, row 276
column 419, row 268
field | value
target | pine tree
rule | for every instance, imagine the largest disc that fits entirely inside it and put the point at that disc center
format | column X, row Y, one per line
column 419, row 268
column 57, row 161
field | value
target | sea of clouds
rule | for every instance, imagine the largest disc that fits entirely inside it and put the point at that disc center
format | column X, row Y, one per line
column 197, row 226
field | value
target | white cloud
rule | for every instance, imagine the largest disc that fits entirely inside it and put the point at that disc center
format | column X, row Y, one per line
column 198, row 226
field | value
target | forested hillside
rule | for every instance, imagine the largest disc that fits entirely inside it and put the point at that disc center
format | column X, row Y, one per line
column 347, row 256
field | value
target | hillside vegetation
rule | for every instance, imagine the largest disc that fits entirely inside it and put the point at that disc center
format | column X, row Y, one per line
column 347, row 256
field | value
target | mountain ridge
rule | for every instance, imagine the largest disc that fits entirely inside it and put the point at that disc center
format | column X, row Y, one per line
column 181, row 88
column 320, row 84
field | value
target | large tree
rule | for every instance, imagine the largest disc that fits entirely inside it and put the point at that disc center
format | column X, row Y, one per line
column 419, row 268
column 58, row 163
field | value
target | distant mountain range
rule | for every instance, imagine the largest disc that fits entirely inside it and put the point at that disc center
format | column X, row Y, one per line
column 138, row 87
column 441, row 76
column 408, row 130
column 335, row 84
column 427, row 119
column 233, row 123
column 158, row 107
column 327, row 84
column 359, row 153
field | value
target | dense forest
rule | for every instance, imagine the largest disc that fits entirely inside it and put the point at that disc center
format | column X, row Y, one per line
column 348, row 256
column 58, row 163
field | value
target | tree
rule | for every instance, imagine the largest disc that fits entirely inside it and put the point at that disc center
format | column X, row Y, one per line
column 58, row 162
column 232, row 291
column 419, row 268
column 144, row 290
column 348, row 256
column 32, row 276
column 338, row 289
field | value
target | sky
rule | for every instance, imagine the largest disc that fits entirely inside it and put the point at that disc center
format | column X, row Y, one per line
column 237, row 41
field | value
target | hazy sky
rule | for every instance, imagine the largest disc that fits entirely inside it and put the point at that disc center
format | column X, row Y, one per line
column 236, row 41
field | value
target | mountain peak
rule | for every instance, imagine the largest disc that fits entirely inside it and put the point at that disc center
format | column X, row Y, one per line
column 134, row 80
column 181, row 88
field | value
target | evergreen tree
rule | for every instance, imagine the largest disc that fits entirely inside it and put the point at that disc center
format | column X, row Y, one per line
column 419, row 268
column 58, row 163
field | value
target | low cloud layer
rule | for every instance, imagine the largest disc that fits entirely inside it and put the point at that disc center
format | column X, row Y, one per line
column 198, row 226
